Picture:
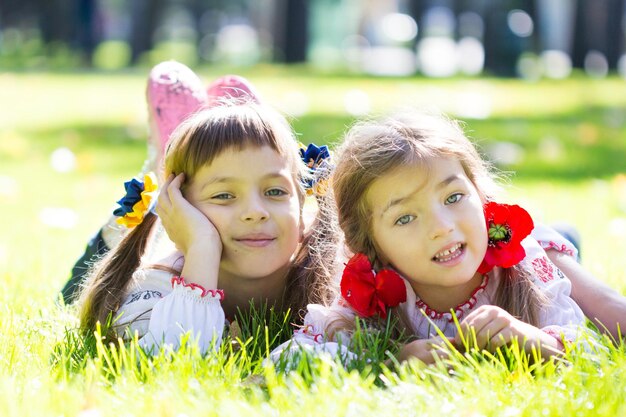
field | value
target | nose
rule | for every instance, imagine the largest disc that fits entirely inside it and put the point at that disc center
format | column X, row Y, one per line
column 441, row 224
column 254, row 210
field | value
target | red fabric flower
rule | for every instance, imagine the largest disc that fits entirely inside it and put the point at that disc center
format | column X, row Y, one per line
column 368, row 292
column 507, row 226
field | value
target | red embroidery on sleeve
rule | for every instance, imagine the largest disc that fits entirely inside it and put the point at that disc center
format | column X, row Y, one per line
column 543, row 268
column 180, row 281
column 560, row 248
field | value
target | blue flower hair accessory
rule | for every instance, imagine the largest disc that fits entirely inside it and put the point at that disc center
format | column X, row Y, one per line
column 317, row 159
column 137, row 201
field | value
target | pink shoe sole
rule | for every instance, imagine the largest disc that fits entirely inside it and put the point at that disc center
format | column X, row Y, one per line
column 174, row 92
column 231, row 86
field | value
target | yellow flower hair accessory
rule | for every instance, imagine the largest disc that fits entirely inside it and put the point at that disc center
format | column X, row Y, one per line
column 317, row 159
column 136, row 202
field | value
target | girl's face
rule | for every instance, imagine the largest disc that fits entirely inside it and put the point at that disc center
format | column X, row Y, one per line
column 428, row 223
column 251, row 198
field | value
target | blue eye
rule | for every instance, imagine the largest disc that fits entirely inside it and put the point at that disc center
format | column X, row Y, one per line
column 275, row 192
column 223, row 196
column 406, row 219
column 454, row 198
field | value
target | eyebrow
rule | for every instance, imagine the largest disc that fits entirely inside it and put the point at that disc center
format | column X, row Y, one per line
column 225, row 179
column 442, row 184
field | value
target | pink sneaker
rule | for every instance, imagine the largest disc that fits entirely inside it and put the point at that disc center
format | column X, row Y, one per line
column 173, row 93
column 231, row 86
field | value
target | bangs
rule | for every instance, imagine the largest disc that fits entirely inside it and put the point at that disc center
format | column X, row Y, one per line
column 206, row 135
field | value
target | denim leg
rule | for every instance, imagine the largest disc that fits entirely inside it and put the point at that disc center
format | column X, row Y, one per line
column 94, row 250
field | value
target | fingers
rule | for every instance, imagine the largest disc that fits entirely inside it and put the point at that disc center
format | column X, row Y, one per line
column 482, row 326
column 426, row 350
column 170, row 192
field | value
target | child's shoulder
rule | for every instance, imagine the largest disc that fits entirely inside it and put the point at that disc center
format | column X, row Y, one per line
column 157, row 273
column 173, row 261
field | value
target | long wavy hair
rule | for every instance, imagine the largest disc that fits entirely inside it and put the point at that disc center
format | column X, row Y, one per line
column 371, row 149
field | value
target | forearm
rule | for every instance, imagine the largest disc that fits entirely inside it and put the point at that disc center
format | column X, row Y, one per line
column 201, row 267
column 600, row 303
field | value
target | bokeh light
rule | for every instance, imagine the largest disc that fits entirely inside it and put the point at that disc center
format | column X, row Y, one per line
column 389, row 61
column 399, row 27
column 596, row 64
column 63, row 160
column 437, row 56
column 470, row 56
column 357, row 102
column 520, row 23
column 438, row 21
column 556, row 64
column 238, row 44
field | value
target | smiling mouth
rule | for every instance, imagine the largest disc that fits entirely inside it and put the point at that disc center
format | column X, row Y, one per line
column 450, row 253
column 256, row 242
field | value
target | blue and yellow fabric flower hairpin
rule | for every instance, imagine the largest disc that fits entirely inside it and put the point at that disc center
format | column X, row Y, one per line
column 137, row 201
column 317, row 159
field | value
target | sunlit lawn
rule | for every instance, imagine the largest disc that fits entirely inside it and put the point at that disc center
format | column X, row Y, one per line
column 570, row 143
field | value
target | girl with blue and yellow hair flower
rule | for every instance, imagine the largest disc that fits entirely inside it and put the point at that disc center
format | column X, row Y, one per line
column 232, row 205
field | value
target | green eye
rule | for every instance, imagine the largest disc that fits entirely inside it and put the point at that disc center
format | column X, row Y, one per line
column 406, row 219
column 275, row 192
column 454, row 198
column 223, row 196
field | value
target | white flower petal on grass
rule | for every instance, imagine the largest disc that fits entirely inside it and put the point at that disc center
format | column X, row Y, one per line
column 63, row 160
column 58, row 217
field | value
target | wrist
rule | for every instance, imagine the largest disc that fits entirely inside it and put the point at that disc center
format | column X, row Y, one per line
column 202, row 268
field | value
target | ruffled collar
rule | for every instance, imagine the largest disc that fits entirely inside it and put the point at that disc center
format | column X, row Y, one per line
column 460, row 310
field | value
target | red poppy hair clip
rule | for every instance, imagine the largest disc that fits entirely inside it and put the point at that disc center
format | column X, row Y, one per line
column 507, row 226
column 369, row 292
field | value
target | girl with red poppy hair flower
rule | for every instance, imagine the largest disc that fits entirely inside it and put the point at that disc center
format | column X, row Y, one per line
column 415, row 201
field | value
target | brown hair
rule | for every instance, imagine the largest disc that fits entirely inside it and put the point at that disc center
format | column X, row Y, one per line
column 195, row 143
column 373, row 148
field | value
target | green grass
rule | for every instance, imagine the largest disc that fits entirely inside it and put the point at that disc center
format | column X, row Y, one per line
column 101, row 119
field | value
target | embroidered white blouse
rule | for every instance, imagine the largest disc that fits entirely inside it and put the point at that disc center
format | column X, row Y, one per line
column 161, row 308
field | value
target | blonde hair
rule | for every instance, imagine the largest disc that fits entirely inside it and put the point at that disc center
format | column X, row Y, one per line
column 196, row 143
column 373, row 148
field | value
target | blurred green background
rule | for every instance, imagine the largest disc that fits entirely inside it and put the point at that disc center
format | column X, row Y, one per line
column 68, row 141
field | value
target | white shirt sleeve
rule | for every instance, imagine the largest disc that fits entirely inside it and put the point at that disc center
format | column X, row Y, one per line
column 161, row 309
column 548, row 238
column 561, row 317
column 312, row 336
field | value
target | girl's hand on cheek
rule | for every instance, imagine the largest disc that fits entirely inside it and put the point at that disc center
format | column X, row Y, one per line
column 185, row 225
column 494, row 327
